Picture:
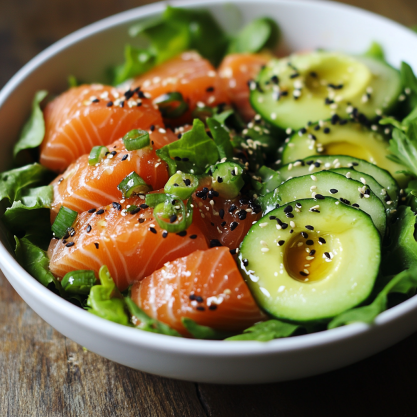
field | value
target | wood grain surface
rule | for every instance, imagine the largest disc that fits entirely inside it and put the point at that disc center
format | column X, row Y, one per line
column 44, row 374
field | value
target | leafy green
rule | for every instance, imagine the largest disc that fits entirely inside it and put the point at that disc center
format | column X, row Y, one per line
column 203, row 332
column 106, row 301
column 376, row 51
column 164, row 155
column 404, row 283
column 79, row 282
column 142, row 321
column 196, row 147
column 259, row 34
column 409, row 82
column 137, row 61
column 34, row 129
column 267, row 330
column 403, row 148
column 35, row 261
column 221, row 138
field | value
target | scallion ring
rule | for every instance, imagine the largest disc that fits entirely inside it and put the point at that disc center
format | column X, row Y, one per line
column 136, row 139
column 171, row 105
column 133, row 184
column 97, row 154
column 63, row 221
column 182, row 185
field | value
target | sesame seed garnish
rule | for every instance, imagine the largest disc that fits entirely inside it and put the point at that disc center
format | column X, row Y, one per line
column 303, row 273
column 264, row 250
column 92, row 210
column 333, row 191
column 304, row 235
column 327, row 255
column 280, row 242
column 308, row 227
column 96, row 245
column 300, row 244
column 313, row 177
column 153, row 230
column 89, row 228
column 214, row 243
column 101, row 211
column 309, row 258
column 322, row 240
column 245, row 262
column 348, row 175
column 309, row 242
column 263, row 224
column 292, row 224
column 68, row 245
column 117, row 206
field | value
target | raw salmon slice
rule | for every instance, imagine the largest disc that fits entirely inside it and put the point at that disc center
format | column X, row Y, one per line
column 191, row 75
column 91, row 115
column 204, row 286
column 235, row 71
column 132, row 246
column 82, row 186
column 223, row 221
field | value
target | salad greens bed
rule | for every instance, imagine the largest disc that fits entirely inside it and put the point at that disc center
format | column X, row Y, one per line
column 26, row 197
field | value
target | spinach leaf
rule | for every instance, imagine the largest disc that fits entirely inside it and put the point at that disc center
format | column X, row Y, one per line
column 142, row 321
column 376, row 51
column 259, row 34
column 137, row 61
column 267, row 330
column 35, row 261
column 33, row 131
column 196, row 147
column 403, row 148
column 106, row 301
column 203, row 332
column 221, row 138
column 404, row 283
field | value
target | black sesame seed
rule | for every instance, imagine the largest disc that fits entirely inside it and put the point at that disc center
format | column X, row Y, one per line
column 303, row 273
column 310, row 162
column 193, row 237
column 232, row 208
column 327, row 255
column 89, row 228
column 187, row 182
column 92, row 210
column 122, row 103
column 290, row 215
column 335, row 118
column 272, row 217
column 319, row 197
column 309, row 242
column 200, row 308
column 314, row 210
column 109, row 104
column 355, row 205
column 68, row 245
column 64, row 241
column 343, row 200
column 281, row 242
column 212, row 307
column 326, row 130
column 313, row 74
column 153, row 230
column 177, row 158
column 199, row 299
column 298, row 205
column 233, row 225
column 333, row 190
column 328, row 101
column 322, row 240
column 317, row 127
column 245, row 262
column 368, row 191
column 275, row 79
column 233, row 251
column 101, row 211
column 355, row 164
column 144, row 206
column 214, row 243
column 125, row 157
column 96, row 245
column 295, row 75
column 173, row 218
column 164, row 234
column 135, row 210
column 141, row 220
column 182, row 233
column 242, row 214
column 116, row 205
column 221, row 213
column 219, row 179
column 192, row 297
column 222, row 224
column 308, row 227
column 304, row 235
column 210, row 89
column 288, row 209
column 317, row 164
column 312, row 252
column 284, row 225
column 303, row 130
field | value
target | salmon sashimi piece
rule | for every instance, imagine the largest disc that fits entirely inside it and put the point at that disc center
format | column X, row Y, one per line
column 191, row 75
column 235, row 71
column 91, row 115
column 174, row 291
column 131, row 245
column 82, row 186
column 223, row 221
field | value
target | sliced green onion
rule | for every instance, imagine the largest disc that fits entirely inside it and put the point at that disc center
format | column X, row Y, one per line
column 172, row 165
column 171, row 105
column 136, row 139
column 227, row 178
column 63, row 221
column 133, row 184
column 182, row 185
column 97, row 154
column 79, row 282
column 170, row 212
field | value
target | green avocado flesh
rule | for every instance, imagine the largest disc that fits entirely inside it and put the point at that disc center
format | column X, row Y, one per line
column 291, row 91
column 290, row 281
column 326, row 183
column 313, row 164
column 351, row 139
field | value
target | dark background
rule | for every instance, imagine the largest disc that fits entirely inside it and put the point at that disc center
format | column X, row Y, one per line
column 44, row 374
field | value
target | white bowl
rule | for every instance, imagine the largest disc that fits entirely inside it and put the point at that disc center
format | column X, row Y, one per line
column 86, row 53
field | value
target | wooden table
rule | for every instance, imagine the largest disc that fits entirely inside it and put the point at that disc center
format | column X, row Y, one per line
column 44, row 374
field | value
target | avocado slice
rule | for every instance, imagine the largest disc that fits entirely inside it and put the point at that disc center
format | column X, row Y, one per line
column 342, row 138
column 323, row 265
column 326, row 183
column 291, row 91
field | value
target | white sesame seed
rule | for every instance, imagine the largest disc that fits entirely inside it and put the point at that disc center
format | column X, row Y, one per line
column 401, row 97
column 263, row 224
column 313, row 187
column 300, row 244
column 292, row 224
column 273, row 116
column 348, row 175
column 309, row 258
column 366, row 195
column 306, row 271
column 313, row 177
column 363, row 180
column 264, row 250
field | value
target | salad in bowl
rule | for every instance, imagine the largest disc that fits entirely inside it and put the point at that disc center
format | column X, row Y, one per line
column 219, row 187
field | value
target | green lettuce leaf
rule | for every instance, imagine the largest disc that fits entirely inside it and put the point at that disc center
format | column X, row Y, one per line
column 403, row 148
column 221, row 138
column 33, row 131
column 142, row 321
column 404, row 283
column 267, row 330
column 106, row 301
column 376, row 51
column 203, row 332
column 259, row 34
column 194, row 145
